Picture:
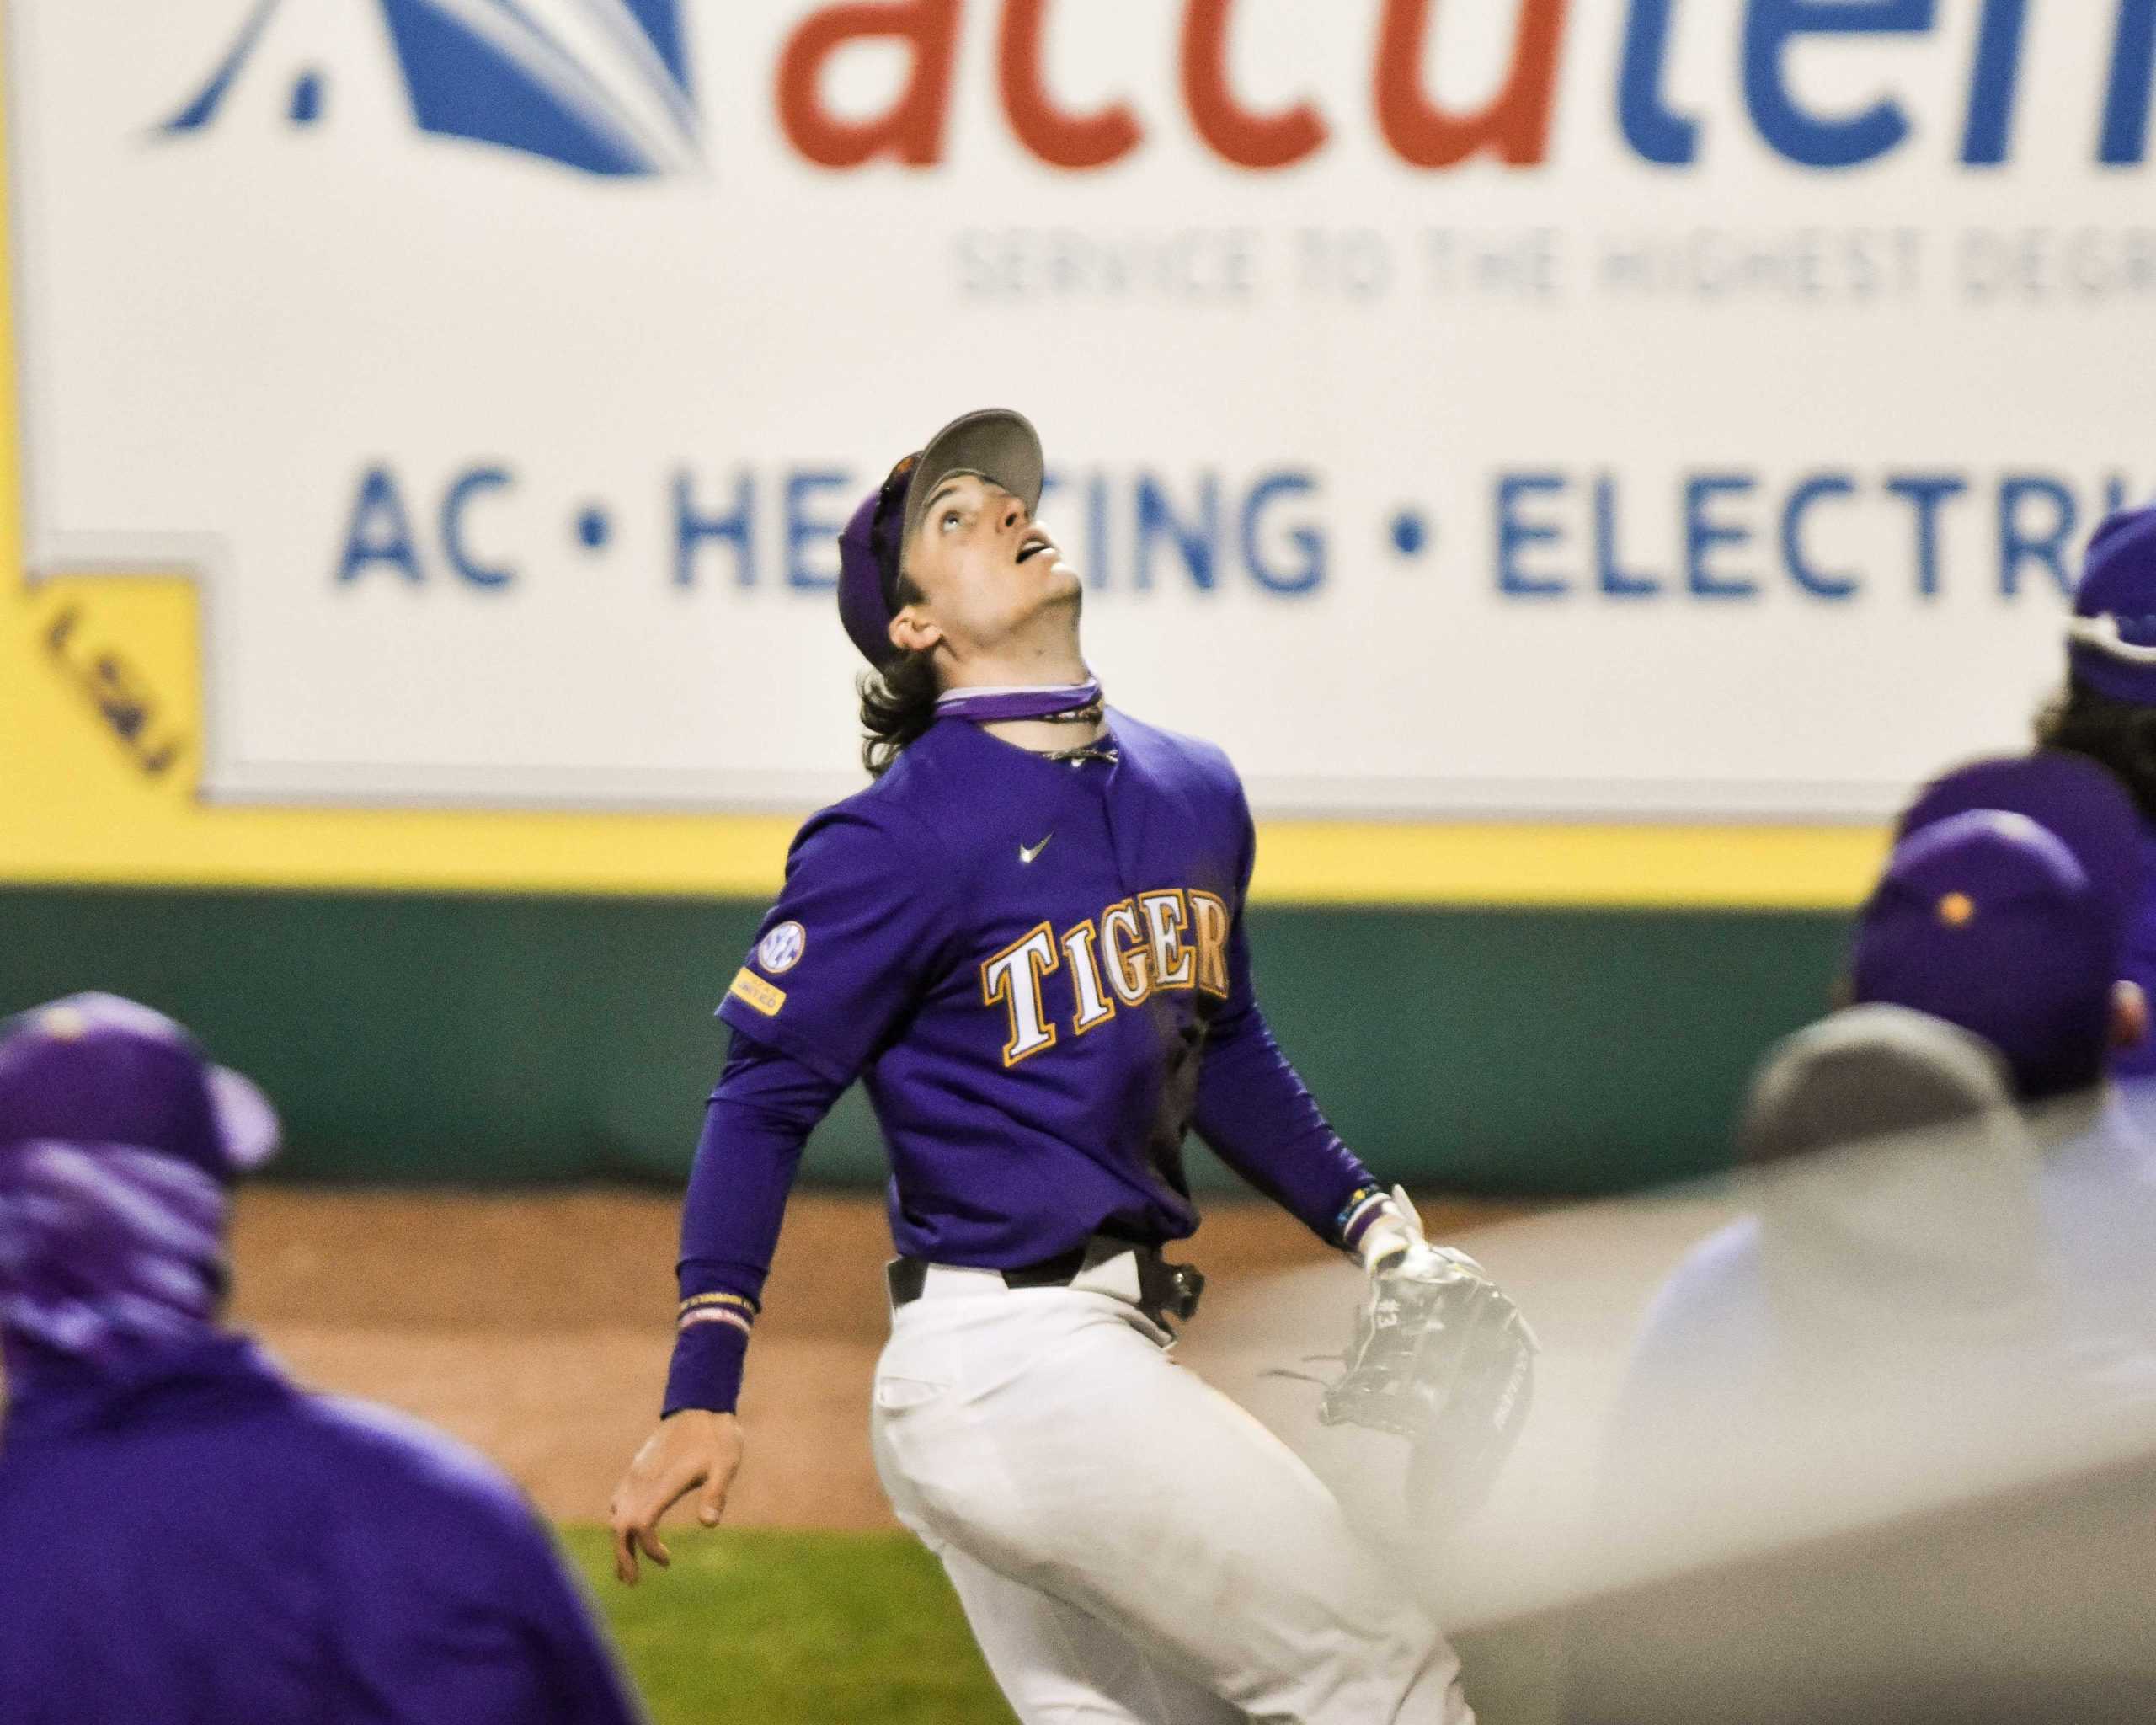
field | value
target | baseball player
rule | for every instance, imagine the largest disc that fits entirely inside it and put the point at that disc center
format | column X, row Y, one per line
column 2107, row 711
column 1027, row 937
column 185, row 1537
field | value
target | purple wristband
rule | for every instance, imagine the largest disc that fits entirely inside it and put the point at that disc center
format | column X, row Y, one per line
column 1365, row 1205
column 707, row 1369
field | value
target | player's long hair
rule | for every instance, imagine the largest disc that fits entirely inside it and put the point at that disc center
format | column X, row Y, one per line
column 897, row 703
column 2120, row 735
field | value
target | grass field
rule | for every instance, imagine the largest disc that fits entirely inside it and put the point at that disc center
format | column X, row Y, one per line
column 762, row 1627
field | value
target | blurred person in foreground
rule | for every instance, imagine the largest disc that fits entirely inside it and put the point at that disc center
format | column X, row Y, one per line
column 1882, row 1438
column 2107, row 711
column 185, row 1536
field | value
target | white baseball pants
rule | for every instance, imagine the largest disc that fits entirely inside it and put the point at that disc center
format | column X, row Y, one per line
column 1132, row 1548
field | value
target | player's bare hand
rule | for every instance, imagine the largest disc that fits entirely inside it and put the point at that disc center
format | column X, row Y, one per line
column 692, row 1451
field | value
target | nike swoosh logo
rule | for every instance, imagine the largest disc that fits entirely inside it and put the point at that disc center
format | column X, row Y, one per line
column 1027, row 853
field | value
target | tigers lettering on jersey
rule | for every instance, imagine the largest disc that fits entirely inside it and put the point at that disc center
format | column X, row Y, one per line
column 1013, row 976
column 1164, row 940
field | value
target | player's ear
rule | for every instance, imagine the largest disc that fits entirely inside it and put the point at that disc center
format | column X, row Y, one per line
column 911, row 631
column 2129, row 1015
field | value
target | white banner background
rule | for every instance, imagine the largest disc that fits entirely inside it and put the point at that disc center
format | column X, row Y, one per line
column 226, row 332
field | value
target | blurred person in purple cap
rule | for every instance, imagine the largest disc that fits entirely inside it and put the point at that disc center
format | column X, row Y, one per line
column 1026, row 937
column 1985, row 996
column 185, row 1537
column 2107, row 711
column 1940, row 1297
column 2009, row 906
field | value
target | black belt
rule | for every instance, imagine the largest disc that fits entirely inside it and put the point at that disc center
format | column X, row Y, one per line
column 1165, row 1290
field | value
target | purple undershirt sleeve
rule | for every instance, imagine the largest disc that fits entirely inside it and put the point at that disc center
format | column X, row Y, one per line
column 1260, row 1117
column 758, row 1119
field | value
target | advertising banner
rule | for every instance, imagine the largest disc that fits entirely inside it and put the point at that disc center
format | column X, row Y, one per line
column 1514, row 416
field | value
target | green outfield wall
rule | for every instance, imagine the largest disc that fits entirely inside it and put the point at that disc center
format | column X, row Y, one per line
column 475, row 1040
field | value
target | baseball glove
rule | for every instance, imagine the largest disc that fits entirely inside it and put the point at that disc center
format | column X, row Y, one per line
column 1440, row 1355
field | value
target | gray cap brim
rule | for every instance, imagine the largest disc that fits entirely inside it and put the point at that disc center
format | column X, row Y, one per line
column 996, row 443
column 1865, row 1073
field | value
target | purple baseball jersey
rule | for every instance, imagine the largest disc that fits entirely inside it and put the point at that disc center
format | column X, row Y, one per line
column 193, row 1540
column 1022, row 957
column 1039, row 970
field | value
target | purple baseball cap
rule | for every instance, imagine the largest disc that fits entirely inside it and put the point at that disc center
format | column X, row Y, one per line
column 2065, row 793
column 99, row 1069
column 2003, row 908
column 2112, row 636
column 996, row 443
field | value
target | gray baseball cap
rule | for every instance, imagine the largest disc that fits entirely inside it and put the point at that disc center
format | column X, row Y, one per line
column 1866, row 1073
column 996, row 443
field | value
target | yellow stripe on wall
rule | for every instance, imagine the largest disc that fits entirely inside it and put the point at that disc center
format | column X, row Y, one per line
column 1376, row 862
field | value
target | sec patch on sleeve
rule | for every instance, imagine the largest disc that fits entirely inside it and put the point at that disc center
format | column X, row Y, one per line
column 780, row 951
column 759, row 994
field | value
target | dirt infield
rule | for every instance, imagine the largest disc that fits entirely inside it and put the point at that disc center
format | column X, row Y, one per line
column 536, row 1328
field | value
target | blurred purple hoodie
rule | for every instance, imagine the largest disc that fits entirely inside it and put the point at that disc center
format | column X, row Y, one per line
column 185, row 1536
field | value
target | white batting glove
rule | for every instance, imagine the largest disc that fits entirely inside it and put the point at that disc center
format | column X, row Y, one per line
column 1395, row 1245
column 1388, row 1240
